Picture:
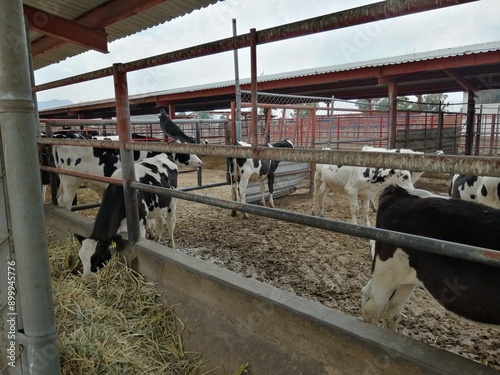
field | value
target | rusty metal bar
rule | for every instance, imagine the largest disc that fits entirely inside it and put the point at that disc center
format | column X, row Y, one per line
column 79, row 142
column 85, row 176
column 476, row 165
column 333, row 21
column 470, row 253
column 85, row 122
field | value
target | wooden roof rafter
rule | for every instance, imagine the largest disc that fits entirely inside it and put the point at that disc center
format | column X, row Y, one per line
column 66, row 30
column 467, row 86
column 88, row 27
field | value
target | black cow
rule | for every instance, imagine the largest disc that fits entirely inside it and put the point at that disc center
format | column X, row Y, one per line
column 469, row 289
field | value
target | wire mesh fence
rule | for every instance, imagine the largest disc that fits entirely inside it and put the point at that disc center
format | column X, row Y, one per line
column 313, row 122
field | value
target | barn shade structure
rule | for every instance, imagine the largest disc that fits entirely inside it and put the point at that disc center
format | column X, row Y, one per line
column 58, row 30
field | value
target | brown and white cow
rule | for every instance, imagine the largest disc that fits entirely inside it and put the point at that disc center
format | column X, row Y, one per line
column 469, row 289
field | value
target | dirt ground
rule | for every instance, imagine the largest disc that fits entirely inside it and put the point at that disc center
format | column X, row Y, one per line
column 316, row 264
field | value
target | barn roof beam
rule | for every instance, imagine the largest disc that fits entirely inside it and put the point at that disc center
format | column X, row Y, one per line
column 383, row 80
column 98, row 18
column 66, row 30
column 461, row 81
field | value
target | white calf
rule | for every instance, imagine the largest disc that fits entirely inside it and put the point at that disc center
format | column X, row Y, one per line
column 361, row 182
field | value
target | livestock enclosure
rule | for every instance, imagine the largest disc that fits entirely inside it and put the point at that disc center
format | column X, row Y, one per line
column 151, row 263
column 247, row 313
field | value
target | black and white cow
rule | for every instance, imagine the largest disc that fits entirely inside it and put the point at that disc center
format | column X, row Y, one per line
column 469, row 289
column 99, row 162
column 480, row 189
column 110, row 221
column 361, row 182
column 243, row 171
column 46, row 157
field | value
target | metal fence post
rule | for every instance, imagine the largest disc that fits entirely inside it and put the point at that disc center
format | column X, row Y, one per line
column 30, row 270
column 127, row 157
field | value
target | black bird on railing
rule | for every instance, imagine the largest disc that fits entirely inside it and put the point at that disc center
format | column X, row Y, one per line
column 172, row 130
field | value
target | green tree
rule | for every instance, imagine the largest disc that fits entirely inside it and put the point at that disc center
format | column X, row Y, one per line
column 430, row 102
column 202, row 115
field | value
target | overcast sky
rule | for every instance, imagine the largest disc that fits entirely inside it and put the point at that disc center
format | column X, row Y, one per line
column 459, row 25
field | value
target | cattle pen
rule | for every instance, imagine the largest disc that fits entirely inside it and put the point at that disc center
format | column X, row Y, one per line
column 228, row 317
column 246, row 318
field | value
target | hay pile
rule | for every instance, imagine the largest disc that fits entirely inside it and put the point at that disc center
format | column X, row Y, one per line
column 112, row 322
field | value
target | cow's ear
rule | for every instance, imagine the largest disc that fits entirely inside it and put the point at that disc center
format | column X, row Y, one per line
column 120, row 243
column 79, row 237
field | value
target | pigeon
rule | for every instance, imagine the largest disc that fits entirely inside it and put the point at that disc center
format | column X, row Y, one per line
column 172, row 130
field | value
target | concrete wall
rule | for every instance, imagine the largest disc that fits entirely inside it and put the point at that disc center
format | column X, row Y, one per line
column 233, row 320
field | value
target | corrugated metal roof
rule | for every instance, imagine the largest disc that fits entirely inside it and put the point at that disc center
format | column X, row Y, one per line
column 414, row 57
column 74, row 9
column 394, row 60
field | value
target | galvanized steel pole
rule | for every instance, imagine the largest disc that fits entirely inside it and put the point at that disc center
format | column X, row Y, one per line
column 40, row 355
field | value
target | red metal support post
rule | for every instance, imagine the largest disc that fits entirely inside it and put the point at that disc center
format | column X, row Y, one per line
column 253, row 77
column 127, row 157
column 393, row 103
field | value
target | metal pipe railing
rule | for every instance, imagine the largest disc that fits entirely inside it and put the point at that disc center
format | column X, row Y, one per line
column 470, row 253
column 474, row 165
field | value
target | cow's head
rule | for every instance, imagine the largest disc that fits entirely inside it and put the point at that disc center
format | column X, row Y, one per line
column 94, row 254
column 187, row 160
column 404, row 178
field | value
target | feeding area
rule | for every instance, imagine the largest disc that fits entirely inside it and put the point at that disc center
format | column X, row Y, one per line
column 113, row 323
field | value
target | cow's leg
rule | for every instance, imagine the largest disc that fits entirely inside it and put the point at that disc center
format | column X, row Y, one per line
column 392, row 311
column 323, row 192
column 365, row 210
column 262, row 188
column 316, row 194
column 242, row 191
column 234, row 191
column 151, row 229
column 171, row 220
column 352, row 196
column 270, row 185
